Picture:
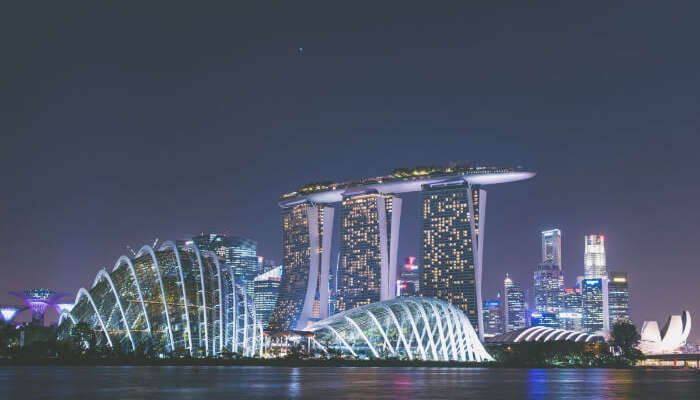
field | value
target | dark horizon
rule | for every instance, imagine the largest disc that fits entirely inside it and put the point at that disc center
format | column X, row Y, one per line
column 120, row 127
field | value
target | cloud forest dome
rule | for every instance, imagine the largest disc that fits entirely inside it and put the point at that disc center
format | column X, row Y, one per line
column 170, row 298
column 403, row 180
column 416, row 328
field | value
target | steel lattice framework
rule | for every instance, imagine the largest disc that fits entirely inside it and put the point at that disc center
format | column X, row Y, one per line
column 174, row 297
column 418, row 328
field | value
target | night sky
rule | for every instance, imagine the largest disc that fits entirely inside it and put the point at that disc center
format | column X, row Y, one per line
column 125, row 123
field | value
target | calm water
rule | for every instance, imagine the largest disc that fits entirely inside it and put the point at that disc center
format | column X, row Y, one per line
column 353, row 383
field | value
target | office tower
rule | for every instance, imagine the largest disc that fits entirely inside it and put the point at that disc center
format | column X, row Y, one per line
column 307, row 229
column 571, row 315
column 515, row 306
column 267, row 286
column 493, row 317
column 451, row 249
column 594, row 297
column 239, row 254
column 551, row 247
column 618, row 298
column 369, row 247
column 549, row 288
column 409, row 282
column 594, row 264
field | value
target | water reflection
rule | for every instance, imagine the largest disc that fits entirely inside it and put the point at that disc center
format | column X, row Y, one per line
column 215, row 383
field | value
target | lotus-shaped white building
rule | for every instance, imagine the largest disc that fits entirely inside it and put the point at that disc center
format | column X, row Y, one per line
column 667, row 340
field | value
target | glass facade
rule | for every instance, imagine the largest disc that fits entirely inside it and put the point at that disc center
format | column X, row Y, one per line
column 594, row 313
column 551, row 247
column 594, row 263
column 414, row 328
column 267, row 286
column 571, row 315
column 618, row 298
column 549, row 288
column 515, row 308
column 173, row 299
column 493, row 317
column 448, row 251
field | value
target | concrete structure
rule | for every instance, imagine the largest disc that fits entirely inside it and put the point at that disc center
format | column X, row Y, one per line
column 414, row 328
column 551, row 247
column 667, row 340
column 176, row 298
column 493, row 317
column 546, row 334
column 571, row 315
column 307, row 225
column 549, row 288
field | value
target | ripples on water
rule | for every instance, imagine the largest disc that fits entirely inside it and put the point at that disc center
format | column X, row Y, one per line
column 215, row 383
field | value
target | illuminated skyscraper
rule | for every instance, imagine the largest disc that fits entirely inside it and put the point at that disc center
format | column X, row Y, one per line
column 409, row 282
column 267, row 287
column 618, row 298
column 549, row 288
column 307, row 229
column 551, row 247
column 571, row 315
column 594, row 264
column 369, row 247
column 451, row 252
column 515, row 308
column 493, row 317
column 594, row 298
column 240, row 254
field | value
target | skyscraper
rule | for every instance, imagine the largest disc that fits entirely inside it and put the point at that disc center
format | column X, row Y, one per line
column 452, row 247
column 493, row 317
column 549, row 288
column 267, row 286
column 618, row 298
column 571, row 315
column 515, row 308
column 307, row 229
column 594, row 264
column 409, row 282
column 551, row 247
column 369, row 248
column 241, row 255
column 594, row 296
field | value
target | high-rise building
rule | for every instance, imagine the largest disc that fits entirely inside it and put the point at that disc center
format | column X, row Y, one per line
column 267, row 286
column 594, row 264
column 550, row 320
column 307, row 229
column 369, row 248
column 618, row 298
column 451, row 253
column 493, row 317
column 594, row 296
column 571, row 315
column 409, row 282
column 515, row 306
column 551, row 247
column 549, row 288
column 455, row 254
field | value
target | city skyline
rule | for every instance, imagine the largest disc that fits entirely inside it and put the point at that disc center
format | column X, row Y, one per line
column 155, row 126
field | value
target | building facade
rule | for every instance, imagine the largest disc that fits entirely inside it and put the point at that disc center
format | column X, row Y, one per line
column 594, row 295
column 594, row 263
column 451, row 247
column 307, row 229
column 409, row 282
column 515, row 312
column 493, row 317
column 267, row 287
column 571, row 315
column 618, row 298
column 549, row 288
column 551, row 247
column 369, row 247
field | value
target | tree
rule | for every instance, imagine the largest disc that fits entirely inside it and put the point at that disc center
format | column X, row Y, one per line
column 625, row 336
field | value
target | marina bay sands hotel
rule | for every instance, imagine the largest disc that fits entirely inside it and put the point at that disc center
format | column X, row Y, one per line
column 452, row 231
